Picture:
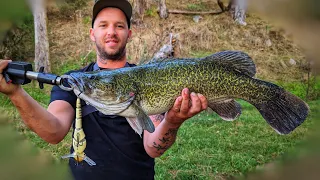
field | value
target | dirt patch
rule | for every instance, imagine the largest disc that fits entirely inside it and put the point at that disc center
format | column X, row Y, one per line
column 269, row 46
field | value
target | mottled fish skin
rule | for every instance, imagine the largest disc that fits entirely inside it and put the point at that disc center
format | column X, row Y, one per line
column 155, row 86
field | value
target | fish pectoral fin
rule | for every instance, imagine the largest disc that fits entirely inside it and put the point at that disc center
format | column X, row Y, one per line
column 134, row 123
column 228, row 109
column 144, row 119
column 141, row 121
column 237, row 60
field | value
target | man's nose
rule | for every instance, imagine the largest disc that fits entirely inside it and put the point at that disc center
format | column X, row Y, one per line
column 111, row 31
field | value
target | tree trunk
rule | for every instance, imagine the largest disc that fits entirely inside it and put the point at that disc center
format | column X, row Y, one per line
column 41, row 37
column 139, row 7
column 238, row 10
column 163, row 12
column 221, row 5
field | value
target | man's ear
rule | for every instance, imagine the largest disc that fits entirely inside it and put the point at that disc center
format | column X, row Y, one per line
column 129, row 35
column 92, row 35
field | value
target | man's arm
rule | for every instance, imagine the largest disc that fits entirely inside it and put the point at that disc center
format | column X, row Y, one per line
column 51, row 125
column 167, row 126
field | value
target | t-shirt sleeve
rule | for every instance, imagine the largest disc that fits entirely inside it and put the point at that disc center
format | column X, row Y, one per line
column 58, row 94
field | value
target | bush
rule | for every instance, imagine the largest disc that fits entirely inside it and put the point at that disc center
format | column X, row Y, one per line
column 18, row 43
column 313, row 88
column 151, row 12
column 68, row 8
column 308, row 90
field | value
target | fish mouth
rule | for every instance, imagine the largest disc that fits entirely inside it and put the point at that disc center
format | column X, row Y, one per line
column 75, row 83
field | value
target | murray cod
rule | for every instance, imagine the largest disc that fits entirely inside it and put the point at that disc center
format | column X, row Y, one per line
column 140, row 91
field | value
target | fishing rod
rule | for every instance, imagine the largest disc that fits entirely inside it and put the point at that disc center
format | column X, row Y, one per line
column 22, row 73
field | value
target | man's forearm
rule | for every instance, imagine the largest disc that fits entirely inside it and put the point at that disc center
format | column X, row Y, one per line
column 36, row 117
column 162, row 139
column 185, row 106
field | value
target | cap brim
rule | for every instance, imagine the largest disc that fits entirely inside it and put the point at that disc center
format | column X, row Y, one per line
column 123, row 5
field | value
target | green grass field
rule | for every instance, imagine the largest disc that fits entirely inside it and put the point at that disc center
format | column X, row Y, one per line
column 206, row 147
column 210, row 148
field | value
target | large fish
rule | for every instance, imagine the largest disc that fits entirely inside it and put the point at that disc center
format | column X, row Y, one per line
column 152, row 88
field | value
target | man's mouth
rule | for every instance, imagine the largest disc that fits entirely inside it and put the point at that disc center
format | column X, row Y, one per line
column 112, row 42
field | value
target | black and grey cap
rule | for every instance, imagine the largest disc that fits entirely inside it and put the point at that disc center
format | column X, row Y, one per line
column 123, row 5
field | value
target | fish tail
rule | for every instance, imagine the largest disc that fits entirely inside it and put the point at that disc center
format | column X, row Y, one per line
column 284, row 111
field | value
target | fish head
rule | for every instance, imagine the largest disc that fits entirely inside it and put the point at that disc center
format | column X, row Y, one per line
column 100, row 87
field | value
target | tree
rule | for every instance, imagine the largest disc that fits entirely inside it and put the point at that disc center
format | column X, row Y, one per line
column 139, row 7
column 41, row 35
column 163, row 12
column 222, row 7
column 237, row 8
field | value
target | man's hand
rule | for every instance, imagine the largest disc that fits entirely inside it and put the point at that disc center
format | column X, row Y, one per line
column 6, row 88
column 184, row 109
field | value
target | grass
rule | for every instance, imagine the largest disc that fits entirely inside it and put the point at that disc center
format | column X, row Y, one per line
column 300, row 88
column 196, row 7
column 210, row 148
column 151, row 12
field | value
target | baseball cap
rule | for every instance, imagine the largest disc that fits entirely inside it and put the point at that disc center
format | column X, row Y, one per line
column 123, row 5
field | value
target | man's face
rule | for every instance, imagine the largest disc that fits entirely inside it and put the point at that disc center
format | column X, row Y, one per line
column 110, row 33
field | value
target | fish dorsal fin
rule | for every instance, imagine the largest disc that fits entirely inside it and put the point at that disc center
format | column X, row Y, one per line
column 237, row 60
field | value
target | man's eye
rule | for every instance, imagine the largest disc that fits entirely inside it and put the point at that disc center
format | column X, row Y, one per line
column 120, row 26
column 102, row 25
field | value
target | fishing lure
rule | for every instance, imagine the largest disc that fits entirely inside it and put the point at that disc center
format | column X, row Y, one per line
column 78, row 140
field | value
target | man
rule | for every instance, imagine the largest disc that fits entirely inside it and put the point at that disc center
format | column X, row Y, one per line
column 119, row 152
